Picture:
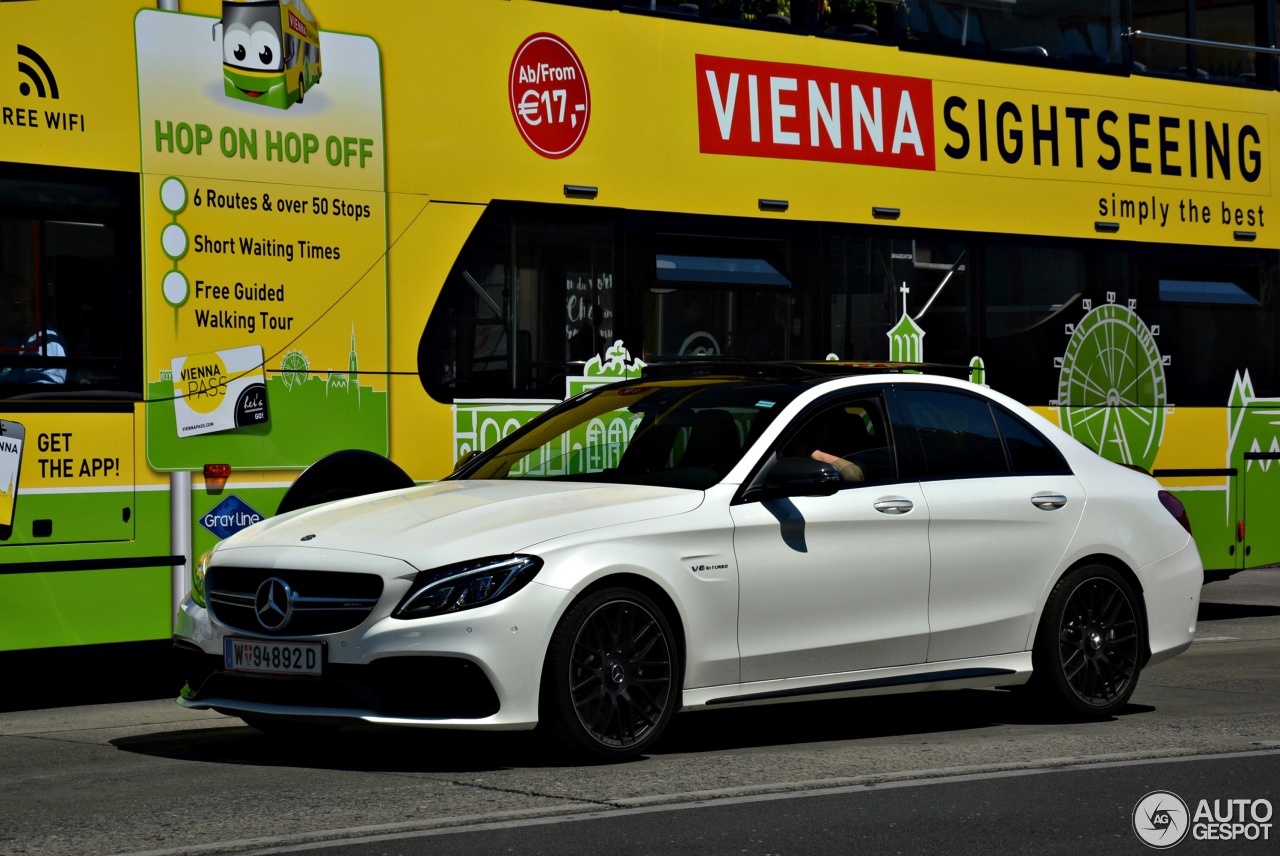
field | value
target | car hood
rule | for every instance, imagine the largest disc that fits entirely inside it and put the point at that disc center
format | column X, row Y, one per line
column 457, row 520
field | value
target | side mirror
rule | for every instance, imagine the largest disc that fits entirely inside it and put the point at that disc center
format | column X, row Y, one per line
column 462, row 461
column 798, row 477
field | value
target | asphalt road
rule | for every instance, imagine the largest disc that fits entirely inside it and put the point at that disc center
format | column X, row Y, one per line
column 145, row 776
column 1064, row 811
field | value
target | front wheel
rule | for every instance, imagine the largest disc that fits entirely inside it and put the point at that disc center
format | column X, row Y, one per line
column 610, row 683
column 1089, row 648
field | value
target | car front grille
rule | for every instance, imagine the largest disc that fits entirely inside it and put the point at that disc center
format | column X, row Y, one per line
column 298, row 603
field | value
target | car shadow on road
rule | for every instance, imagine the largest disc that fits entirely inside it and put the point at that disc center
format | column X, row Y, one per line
column 1227, row 611
column 869, row 718
column 373, row 749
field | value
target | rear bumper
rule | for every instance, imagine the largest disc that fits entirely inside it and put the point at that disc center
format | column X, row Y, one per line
column 1171, row 589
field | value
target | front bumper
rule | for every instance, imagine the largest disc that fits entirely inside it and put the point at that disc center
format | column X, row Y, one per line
column 475, row 669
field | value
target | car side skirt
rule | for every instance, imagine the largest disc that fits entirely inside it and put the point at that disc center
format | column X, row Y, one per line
column 980, row 672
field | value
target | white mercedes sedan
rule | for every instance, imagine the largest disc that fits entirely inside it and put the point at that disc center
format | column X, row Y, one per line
column 700, row 539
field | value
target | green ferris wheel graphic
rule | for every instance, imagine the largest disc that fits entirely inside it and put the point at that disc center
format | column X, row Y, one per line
column 1111, row 388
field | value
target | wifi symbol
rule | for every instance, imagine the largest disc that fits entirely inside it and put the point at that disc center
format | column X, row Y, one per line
column 24, row 87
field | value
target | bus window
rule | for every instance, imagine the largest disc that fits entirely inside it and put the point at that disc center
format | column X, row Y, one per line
column 718, row 297
column 68, row 279
column 531, row 299
column 1067, row 32
column 673, row 7
column 565, row 299
column 1216, row 320
column 781, row 15
column 1230, row 23
column 871, row 281
column 859, row 287
column 935, row 274
column 1029, row 293
column 855, row 19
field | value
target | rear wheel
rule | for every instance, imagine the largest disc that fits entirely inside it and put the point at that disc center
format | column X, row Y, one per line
column 610, row 683
column 1088, row 650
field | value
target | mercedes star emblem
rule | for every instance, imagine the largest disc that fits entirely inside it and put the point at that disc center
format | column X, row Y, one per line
column 274, row 603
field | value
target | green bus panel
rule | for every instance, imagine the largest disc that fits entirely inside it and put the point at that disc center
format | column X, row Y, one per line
column 58, row 608
column 72, row 518
column 84, row 607
column 1261, row 512
column 1213, row 526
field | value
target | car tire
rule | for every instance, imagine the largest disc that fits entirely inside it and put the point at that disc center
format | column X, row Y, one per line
column 1091, row 643
column 611, row 680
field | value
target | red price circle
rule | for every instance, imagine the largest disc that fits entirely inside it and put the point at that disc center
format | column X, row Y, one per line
column 550, row 98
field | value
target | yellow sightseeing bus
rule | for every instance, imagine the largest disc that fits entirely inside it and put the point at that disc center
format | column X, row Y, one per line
column 494, row 204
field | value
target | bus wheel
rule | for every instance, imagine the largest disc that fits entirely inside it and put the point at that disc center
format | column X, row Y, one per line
column 342, row 475
column 302, row 86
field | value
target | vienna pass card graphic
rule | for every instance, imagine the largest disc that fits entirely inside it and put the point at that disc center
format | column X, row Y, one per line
column 12, row 435
column 219, row 391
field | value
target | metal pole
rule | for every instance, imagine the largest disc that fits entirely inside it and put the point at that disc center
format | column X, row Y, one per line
column 180, row 535
column 179, row 488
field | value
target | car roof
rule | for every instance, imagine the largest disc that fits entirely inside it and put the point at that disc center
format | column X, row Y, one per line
column 802, row 372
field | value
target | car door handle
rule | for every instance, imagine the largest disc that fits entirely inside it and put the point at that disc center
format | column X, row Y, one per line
column 1048, row 501
column 893, row 506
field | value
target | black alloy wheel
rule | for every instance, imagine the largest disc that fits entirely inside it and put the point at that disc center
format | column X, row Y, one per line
column 1090, row 645
column 610, row 683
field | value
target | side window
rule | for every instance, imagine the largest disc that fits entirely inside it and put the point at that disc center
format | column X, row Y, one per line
column 957, row 432
column 851, row 434
column 1029, row 452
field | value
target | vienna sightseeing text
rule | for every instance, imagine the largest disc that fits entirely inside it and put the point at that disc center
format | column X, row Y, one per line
column 781, row 110
column 194, row 137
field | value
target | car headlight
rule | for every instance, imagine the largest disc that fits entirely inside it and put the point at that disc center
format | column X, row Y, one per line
column 197, row 577
column 466, row 585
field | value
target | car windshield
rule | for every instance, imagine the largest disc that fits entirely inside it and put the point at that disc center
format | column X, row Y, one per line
column 686, row 433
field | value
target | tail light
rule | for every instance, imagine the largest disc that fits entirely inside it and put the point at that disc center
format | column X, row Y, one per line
column 1176, row 508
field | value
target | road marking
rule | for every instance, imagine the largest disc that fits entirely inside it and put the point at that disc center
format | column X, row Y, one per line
column 698, row 799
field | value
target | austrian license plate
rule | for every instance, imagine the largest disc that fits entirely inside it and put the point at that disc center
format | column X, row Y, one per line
column 275, row 658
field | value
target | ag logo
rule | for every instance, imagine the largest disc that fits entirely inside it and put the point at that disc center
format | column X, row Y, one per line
column 1161, row 819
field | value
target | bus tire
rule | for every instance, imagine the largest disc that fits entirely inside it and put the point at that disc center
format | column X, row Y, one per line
column 342, row 475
